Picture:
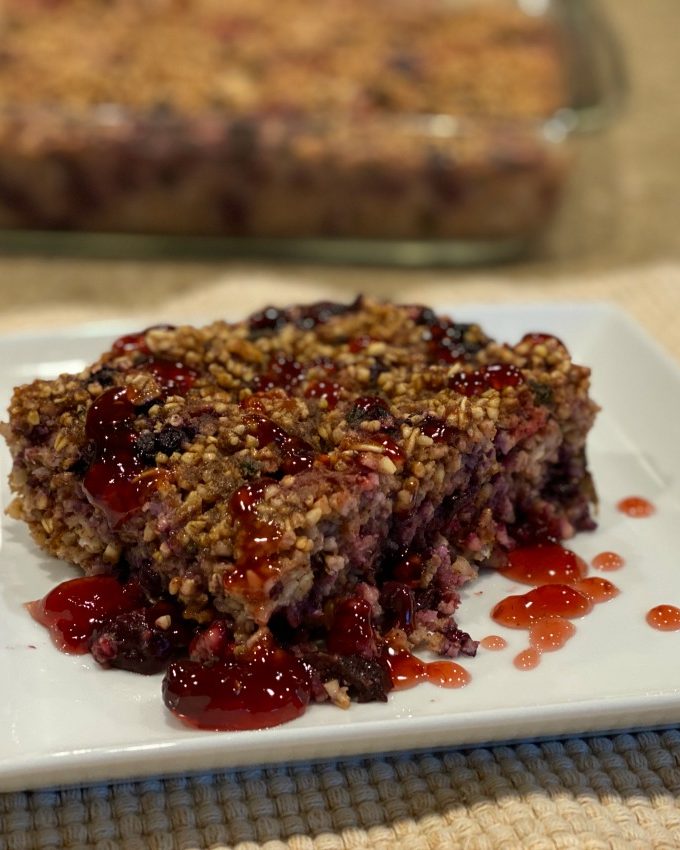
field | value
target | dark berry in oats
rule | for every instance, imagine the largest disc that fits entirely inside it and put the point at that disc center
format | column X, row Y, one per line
column 367, row 409
column 543, row 393
column 451, row 342
column 104, row 376
column 213, row 643
column 351, row 631
column 366, row 679
column 318, row 314
column 422, row 315
column 268, row 320
column 457, row 642
column 169, row 440
column 142, row 641
column 150, row 582
column 145, row 447
column 398, row 604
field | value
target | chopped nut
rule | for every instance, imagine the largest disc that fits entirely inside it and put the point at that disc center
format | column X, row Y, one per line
column 313, row 516
column 387, row 466
column 112, row 553
column 369, row 447
column 61, row 440
column 338, row 695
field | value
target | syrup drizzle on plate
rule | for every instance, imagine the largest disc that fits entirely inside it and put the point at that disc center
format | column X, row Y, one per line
column 665, row 618
column 406, row 670
column 608, row 561
column 494, row 643
column 562, row 592
column 636, row 507
column 266, row 685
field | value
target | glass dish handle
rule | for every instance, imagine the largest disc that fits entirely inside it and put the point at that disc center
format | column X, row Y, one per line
column 597, row 67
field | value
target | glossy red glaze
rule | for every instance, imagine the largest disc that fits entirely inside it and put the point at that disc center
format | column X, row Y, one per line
column 327, row 391
column 545, row 563
column 608, row 561
column 296, row 454
column 368, row 408
column 447, row 674
column 119, row 485
column 283, row 372
column 501, row 375
column 527, row 659
column 404, row 668
column 636, row 507
column 409, row 570
column 390, row 446
column 538, row 338
column 174, row 378
column 351, row 632
column 114, row 482
column 262, row 687
column 437, row 430
column 551, row 634
column 359, row 343
column 117, row 482
column 596, row 588
column 665, row 618
column 75, row 608
column 136, row 341
column 109, row 420
column 256, row 539
column 520, row 612
column 245, row 499
column 468, row 383
column 445, row 341
column 495, row 376
column 494, row 643
column 130, row 342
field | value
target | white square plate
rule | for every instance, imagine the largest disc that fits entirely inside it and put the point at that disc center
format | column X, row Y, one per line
column 64, row 720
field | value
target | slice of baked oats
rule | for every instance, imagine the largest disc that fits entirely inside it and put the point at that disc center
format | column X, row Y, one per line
column 308, row 470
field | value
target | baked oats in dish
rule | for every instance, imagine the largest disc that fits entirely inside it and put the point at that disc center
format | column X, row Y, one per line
column 354, row 119
column 302, row 489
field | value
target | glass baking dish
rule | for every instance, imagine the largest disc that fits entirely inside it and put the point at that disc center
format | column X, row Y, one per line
column 405, row 131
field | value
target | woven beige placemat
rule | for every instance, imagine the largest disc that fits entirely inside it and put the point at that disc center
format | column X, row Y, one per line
column 603, row 793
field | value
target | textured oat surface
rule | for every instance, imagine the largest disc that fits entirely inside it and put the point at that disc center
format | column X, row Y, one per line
column 211, row 54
